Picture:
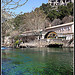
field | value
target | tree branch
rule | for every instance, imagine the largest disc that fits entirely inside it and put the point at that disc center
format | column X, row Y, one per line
column 11, row 3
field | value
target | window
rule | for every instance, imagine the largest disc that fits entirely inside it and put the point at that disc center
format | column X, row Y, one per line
column 68, row 28
column 63, row 29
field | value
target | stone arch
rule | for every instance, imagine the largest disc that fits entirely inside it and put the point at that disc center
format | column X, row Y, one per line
column 50, row 34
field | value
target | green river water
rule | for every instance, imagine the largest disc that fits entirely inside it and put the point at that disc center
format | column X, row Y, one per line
column 37, row 61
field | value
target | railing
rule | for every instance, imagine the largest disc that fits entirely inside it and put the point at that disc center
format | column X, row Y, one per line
column 51, row 39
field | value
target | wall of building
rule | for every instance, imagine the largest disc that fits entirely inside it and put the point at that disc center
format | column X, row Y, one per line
column 59, row 2
column 69, row 36
column 62, row 31
column 66, row 29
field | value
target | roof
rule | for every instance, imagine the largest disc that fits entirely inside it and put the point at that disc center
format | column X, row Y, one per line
column 66, row 24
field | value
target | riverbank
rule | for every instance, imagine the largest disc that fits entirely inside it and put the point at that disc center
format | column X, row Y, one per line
column 45, row 44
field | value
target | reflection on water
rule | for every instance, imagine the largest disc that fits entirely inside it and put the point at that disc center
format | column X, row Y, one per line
column 37, row 61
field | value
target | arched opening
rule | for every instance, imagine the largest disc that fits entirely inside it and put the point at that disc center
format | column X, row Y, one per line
column 50, row 34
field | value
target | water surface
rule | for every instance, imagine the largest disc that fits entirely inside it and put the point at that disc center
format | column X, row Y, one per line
column 37, row 61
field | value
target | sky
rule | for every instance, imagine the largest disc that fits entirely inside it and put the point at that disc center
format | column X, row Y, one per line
column 29, row 6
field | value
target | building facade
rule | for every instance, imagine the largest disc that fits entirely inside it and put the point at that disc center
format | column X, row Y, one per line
column 59, row 2
column 63, row 30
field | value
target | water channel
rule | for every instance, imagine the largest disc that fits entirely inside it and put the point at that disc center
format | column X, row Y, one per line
column 37, row 61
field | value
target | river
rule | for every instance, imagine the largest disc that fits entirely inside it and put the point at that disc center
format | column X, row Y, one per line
column 37, row 61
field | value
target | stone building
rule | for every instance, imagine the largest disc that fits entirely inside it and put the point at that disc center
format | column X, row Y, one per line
column 59, row 2
column 64, row 30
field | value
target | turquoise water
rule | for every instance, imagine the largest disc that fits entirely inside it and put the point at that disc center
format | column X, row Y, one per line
column 37, row 61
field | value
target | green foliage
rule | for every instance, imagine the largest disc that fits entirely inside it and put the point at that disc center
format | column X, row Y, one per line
column 16, row 43
column 29, row 21
column 18, row 21
column 59, row 12
column 46, row 8
column 70, row 7
column 63, row 11
column 53, row 15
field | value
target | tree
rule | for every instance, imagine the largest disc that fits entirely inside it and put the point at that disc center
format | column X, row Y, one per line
column 7, row 28
column 12, row 3
column 63, row 11
column 53, row 15
column 46, row 8
column 7, row 6
column 32, row 21
column 57, row 12
column 70, row 7
column 67, row 19
column 56, row 22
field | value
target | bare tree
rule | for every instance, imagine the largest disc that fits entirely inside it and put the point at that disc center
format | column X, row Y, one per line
column 56, row 22
column 13, row 3
column 35, row 20
column 8, row 5
column 7, row 22
column 6, row 16
column 67, row 19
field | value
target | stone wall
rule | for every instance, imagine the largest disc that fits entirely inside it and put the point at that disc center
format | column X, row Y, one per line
column 59, row 2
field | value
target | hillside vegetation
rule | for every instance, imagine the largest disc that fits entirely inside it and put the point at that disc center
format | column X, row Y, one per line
column 57, row 12
column 40, row 18
column 43, row 16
